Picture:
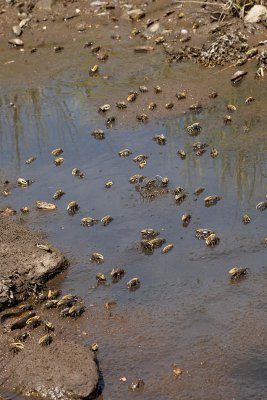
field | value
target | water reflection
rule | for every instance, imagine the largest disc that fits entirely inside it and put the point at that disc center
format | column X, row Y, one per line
column 42, row 118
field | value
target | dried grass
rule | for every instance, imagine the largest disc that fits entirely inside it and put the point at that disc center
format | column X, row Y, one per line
column 240, row 7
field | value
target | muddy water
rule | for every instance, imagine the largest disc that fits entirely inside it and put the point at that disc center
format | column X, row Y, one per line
column 7, row 395
column 185, row 313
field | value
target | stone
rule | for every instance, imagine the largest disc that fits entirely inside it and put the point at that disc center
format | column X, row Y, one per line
column 256, row 14
column 136, row 14
column 62, row 370
column 154, row 27
column 16, row 29
column 98, row 3
column 45, row 5
column 238, row 75
column 16, row 42
column 24, row 21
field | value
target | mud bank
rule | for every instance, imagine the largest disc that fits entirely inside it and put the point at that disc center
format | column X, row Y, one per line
column 62, row 370
column 59, row 368
column 34, row 35
column 24, row 267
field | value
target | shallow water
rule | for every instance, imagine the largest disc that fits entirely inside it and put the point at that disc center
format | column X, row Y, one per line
column 7, row 395
column 185, row 313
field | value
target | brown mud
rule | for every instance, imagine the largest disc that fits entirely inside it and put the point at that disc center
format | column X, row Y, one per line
column 66, row 367
column 24, row 267
column 24, row 271
column 69, row 31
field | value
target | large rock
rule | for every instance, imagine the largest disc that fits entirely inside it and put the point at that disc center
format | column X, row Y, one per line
column 62, row 370
column 256, row 14
column 23, row 266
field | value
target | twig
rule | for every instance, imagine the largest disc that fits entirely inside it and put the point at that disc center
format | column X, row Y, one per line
column 228, row 66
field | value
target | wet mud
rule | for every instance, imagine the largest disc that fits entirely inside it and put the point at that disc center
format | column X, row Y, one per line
column 56, row 348
column 25, row 267
column 186, row 313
